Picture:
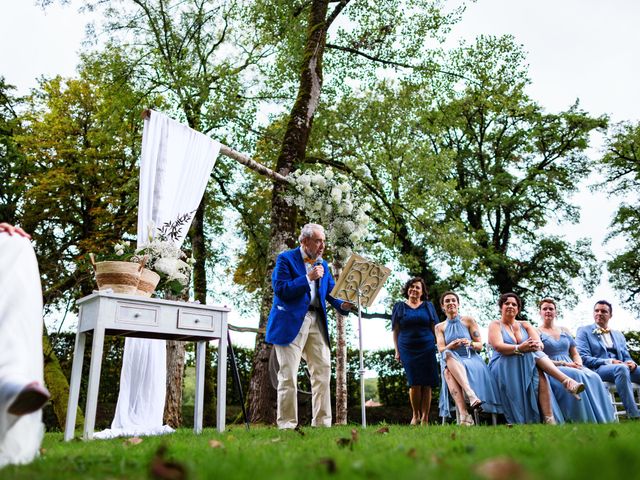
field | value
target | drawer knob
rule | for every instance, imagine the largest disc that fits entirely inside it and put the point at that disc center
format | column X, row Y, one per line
column 197, row 320
column 136, row 315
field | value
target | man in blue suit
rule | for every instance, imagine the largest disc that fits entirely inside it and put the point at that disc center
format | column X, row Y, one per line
column 605, row 351
column 297, row 326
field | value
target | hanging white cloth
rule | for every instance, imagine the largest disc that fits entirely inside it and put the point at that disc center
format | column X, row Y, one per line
column 175, row 167
column 20, row 347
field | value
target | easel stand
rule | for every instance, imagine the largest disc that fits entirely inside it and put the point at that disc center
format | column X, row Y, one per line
column 359, row 283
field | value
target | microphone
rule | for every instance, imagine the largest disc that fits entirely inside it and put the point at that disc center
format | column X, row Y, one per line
column 317, row 263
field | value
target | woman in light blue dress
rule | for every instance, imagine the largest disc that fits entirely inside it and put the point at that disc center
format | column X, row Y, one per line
column 595, row 404
column 465, row 375
column 518, row 364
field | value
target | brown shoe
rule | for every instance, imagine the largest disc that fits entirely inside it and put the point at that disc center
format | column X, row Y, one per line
column 31, row 398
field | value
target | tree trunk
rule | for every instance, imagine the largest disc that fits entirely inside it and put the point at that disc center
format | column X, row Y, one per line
column 175, row 373
column 261, row 394
column 57, row 384
column 341, row 359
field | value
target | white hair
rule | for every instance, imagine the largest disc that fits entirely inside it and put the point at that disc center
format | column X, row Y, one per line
column 308, row 229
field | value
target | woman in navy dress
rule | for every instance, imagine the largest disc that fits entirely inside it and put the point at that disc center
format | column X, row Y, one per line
column 595, row 405
column 518, row 364
column 413, row 323
column 465, row 373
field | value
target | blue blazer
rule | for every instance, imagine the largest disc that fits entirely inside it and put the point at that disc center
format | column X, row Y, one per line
column 292, row 295
column 592, row 349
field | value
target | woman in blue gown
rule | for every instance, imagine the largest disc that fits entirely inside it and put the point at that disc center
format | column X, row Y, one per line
column 518, row 366
column 413, row 323
column 465, row 375
column 595, row 404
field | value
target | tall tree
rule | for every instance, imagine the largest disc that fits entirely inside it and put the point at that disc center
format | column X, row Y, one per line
column 380, row 34
column 621, row 169
column 464, row 173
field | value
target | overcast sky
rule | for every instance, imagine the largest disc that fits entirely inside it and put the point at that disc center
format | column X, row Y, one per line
column 585, row 49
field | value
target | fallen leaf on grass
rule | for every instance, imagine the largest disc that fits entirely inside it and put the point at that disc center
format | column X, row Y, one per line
column 501, row 468
column 329, row 463
column 613, row 434
column 344, row 442
column 166, row 470
column 383, row 430
column 43, row 451
column 275, row 440
column 133, row 441
column 354, row 435
column 412, row 453
column 436, row 459
column 216, row 444
column 453, row 435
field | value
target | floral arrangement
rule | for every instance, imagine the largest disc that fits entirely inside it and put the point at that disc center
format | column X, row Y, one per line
column 166, row 259
column 327, row 198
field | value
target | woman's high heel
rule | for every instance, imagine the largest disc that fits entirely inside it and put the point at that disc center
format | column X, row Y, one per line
column 467, row 420
column 550, row 420
column 474, row 402
column 573, row 387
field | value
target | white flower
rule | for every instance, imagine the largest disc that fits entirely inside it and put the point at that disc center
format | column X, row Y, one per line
column 345, row 187
column 347, row 208
column 319, row 180
column 304, row 180
column 308, row 190
column 336, row 195
column 328, row 209
column 328, row 174
column 317, row 205
column 348, row 226
column 354, row 237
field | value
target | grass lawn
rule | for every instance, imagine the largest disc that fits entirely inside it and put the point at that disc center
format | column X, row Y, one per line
column 527, row 452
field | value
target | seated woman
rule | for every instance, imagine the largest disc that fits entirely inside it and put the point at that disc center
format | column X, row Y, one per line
column 560, row 346
column 465, row 373
column 518, row 364
column 413, row 322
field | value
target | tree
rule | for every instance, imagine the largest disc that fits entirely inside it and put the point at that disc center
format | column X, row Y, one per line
column 13, row 167
column 621, row 168
column 81, row 139
column 380, row 33
column 463, row 174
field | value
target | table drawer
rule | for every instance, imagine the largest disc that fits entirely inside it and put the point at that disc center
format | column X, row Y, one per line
column 137, row 315
column 198, row 320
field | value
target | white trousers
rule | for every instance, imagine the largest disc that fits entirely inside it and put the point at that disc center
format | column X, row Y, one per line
column 21, row 359
column 311, row 345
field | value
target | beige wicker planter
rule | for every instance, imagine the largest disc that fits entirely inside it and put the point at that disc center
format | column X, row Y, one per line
column 148, row 282
column 120, row 277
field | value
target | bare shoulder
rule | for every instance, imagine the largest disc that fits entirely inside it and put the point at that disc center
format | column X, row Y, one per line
column 441, row 325
column 468, row 321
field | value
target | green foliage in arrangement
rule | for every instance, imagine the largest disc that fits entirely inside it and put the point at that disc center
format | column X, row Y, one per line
column 567, row 452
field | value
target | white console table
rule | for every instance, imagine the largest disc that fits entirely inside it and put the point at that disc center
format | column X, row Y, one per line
column 134, row 316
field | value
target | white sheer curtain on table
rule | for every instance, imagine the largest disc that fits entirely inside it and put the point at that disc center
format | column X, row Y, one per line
column 20, row 347
column 175, row 166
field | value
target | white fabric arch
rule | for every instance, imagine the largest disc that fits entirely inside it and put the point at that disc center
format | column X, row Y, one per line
column 175, row 166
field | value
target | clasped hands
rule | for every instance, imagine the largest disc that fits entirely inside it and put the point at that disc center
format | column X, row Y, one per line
column 530, row 345
column 460, row 342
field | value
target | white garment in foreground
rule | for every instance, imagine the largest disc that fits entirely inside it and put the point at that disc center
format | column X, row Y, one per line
column 21, row 359
column 174, row 169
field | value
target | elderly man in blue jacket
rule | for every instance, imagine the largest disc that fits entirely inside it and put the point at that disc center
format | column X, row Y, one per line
column 605, row 351
column 297, row 326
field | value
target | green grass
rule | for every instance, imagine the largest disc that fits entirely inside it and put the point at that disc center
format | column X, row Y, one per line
column 451, row 452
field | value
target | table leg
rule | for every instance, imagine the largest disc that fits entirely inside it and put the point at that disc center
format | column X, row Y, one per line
column 201, row 350
column 221, row 404
column 94, row 383
column 74, row 387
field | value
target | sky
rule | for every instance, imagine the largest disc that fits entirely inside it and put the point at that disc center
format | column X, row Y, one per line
column 577, row 49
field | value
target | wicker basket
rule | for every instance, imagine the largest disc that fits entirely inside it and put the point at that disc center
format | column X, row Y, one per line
column 148, row 282
column 120, row 277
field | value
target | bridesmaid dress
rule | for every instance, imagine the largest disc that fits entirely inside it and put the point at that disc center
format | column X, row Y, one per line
column 595, row 404
column 517, row 379
column 480, row 379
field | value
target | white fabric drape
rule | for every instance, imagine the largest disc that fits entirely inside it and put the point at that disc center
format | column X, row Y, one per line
column 20, row 347
column 175, row 166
